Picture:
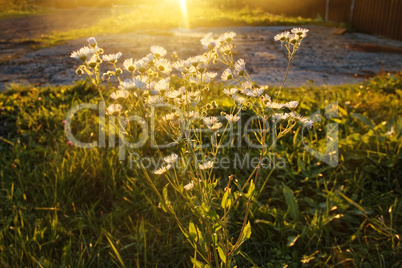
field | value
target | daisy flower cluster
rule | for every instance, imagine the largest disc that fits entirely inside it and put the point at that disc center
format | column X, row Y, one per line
column 292, row 40
column 172, row 95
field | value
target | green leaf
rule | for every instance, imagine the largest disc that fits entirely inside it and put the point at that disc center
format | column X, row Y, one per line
column 196, row 263
column 226, row 200
column 222, row 254
column 246, row 233
column 251, row 189
column 365, row 120
column 291, row 202
column 192, row 232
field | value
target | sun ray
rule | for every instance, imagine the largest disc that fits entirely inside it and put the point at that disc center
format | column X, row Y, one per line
column 184, row 13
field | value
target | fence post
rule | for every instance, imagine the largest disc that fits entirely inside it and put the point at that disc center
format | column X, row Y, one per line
column 352, row 10
column 326, row 11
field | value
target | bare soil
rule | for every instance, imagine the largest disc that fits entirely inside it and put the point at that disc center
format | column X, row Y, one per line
column 324, row 58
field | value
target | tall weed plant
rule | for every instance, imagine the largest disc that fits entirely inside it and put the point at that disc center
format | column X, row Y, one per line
column 168, row 124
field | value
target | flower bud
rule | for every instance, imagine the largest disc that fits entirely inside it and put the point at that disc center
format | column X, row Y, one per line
column 79, row 71
column 92, row 42
column 119, row 71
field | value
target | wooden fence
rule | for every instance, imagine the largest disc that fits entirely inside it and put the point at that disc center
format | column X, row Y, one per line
column 382, row 17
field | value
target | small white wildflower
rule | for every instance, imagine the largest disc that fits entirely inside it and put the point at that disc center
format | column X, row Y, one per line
column 112, row 58
column 206, row 165
column 92, row 42
column 308, row 123
column 274, row 105
column 208, row 42
column 300, row 31
column 282, row 116
column 172, row 94
column 209, row 76
column 178, row 65
column 162, row 85
column 189, row 187
column 141, row 65
column 163, row 65
column 193, row 114
column 129, row 65
column 227, row 75
column 239, row 99
column 158, row 51
column 227, row 49
column 153, row 100
column 210, row 120
column 162, row 170
column 253, row 92
column 232, row 118
column 120, row 94
column 215, row 126
column 230, row 91
column 83, row 53
column 240, row 67
column 114, row 109
column 131, row 84
column 227, row 37
column 171, row 158
column 283, row 37
column 291, row 104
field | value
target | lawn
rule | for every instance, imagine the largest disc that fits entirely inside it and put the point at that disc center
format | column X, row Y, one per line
column 64, row 206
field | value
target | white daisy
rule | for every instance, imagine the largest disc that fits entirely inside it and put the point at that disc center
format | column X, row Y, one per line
column 120, row 94
column 131, row 84
column 227, row 37
column 153, row 100
column 141, row 65
column 215, row 126
column 282, row 116
column 162, row 170
column 227, row 75
column 129, row 65
column 189, row 187
column 208, row 42
column 83, row 53
column 158, row 51
column 291, row 104
column 240, row 67
column 179, row 65
column 238, row 99
column 283, row 37
column 163, row 65
column 206, row 165
column 210, row 120
column 112, row 58
column 230, row 91
column 300, row 31
column 232, row 118
column 114, row 109
column 171, row 158
column 274, row 105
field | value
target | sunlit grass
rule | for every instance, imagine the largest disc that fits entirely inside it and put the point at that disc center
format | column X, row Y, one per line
column 63, row 206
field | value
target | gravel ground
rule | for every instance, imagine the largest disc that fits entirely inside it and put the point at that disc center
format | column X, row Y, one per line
column 324, row 58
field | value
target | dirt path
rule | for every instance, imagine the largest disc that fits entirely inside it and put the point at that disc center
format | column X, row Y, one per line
column 324, row 58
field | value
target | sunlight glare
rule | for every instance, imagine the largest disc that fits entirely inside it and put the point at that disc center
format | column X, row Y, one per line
column 184, row 13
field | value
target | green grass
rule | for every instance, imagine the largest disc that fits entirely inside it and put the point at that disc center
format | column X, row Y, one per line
column 69, row 207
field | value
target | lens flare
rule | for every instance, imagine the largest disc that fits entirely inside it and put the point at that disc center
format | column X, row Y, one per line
column 184, row 13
